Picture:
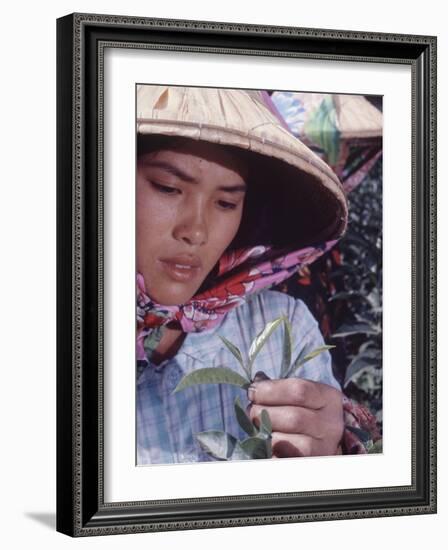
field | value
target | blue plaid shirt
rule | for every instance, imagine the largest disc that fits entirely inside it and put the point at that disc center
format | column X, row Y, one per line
column 167, row 422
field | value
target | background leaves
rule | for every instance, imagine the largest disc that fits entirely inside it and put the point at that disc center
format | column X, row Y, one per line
column 343, row 290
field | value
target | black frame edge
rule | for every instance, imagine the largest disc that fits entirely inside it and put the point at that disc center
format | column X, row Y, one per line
column 64, row 203
column 425, row 271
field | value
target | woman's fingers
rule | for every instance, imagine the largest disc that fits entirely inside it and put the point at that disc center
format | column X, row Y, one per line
column 289, row 391
column 292, row 445
column 298, row 445
column 307, row 417
column 290, row 419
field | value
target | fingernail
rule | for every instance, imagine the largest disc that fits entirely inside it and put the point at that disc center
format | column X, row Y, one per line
column 260, row 376
column 251, row 392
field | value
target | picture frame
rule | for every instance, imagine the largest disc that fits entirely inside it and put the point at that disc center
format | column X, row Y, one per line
column 82, row 509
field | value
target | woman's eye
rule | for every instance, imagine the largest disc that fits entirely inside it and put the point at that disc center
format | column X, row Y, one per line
column 227, row 205
column 166, row 189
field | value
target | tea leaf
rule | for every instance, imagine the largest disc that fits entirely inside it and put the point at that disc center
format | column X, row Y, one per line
column 216, row 443
column 363, row 361
column 377, row 447
column 302, row 360
column 266, row 424
column 256, row 447
column 262, row 338
column 212, row 375
column 355, row 328
column 221, row 445
column 315, row 353
column 239, row 453
column 287, row 347
column 236, row 353
column 346, row 295
column 243, row 420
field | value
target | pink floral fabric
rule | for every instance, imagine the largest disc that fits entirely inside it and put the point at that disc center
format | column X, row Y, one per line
column 240, row 273
column 361, row 428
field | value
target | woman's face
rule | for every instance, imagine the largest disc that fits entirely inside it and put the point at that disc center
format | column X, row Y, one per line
column 189, row 207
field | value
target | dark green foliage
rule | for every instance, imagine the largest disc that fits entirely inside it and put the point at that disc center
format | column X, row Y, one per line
column 360, row 284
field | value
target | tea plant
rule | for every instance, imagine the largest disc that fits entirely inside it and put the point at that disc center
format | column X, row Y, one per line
column 222, row 445
column 360, row 278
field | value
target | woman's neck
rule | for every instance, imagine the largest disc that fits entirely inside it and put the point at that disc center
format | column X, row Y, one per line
column 169, row 345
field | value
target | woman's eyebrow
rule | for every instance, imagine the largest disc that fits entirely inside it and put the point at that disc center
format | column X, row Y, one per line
column 171, row 168
column 240, row 188
column 181, row 174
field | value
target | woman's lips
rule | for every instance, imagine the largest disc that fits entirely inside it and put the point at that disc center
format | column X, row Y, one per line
column 181, row 269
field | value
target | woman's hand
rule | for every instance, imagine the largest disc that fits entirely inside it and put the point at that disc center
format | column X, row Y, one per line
column 307, row 417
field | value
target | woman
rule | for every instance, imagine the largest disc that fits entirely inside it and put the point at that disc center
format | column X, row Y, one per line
column 228, row 204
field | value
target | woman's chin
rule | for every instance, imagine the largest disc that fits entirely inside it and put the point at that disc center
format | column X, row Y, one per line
column 172, row 296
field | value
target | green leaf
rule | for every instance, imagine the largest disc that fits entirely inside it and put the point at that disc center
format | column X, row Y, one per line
column 243, row 420
column 287, row 347
column 218, row 444
column 262, row 338
column 221, row 445
column 266, row 424
column 297, row 361
column 236, row 353
column 315, row 353
column 374, row 299
column 363, row 361
column 212, row 375
column 239, row 453
column 301, row 360
column 346, row 295
column 368, row 380
column 377, row 447
column 363, row 435
column 233, row 350
column 256, row 447
column 355, row 328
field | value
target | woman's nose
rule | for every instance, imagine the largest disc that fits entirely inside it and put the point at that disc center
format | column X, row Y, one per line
column 192, row 228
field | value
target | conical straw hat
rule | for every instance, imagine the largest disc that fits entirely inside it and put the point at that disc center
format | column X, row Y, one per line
column 357, row 118
column 309, row 191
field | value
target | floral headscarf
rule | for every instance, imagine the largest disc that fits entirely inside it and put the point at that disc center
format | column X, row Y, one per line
column 241, row 273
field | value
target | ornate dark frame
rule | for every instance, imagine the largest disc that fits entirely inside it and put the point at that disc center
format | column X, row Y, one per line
column 81, row 39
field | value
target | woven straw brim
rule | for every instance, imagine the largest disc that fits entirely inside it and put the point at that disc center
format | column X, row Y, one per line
column 357, row 118
column 239, row 118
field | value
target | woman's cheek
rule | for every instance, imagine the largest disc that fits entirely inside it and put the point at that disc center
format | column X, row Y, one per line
column 227, row 225
column 161, row 211
column 233, row 221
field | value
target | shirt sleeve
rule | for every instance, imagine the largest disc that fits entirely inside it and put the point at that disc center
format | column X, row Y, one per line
column 306, row 338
